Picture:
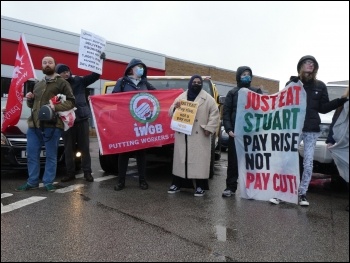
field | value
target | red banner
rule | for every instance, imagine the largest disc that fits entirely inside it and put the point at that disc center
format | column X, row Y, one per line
column 23, row 70
column 129, row 121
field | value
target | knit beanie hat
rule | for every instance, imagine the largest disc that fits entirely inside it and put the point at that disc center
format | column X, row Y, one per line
column 62, row 68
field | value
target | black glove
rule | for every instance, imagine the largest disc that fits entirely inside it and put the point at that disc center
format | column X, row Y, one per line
column 341, row 101
column 103, row 56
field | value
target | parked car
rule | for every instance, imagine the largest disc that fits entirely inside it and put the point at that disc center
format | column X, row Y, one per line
column 323, row 161
column 14, row 143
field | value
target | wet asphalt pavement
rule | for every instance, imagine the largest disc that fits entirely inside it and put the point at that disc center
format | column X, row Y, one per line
column 92, row 222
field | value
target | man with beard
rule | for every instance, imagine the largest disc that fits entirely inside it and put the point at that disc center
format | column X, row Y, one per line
column 79, row 133
column 48, row 134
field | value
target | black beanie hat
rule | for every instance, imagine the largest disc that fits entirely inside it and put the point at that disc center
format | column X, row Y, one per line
column 62, row 68
column 306, row 58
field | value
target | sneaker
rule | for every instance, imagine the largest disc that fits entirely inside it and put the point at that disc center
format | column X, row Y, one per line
column 119, row 186
column 143, row 185
column 275, row 201
column 25, row 187
column 67, row 178
column 303, row 201
column 199, row 192
column 50, row 188
column 88, row 177
column 173, row 189
column 228, row 192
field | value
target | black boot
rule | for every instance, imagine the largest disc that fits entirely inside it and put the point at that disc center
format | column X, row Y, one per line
column 68, row 177
column 88, row 177
column 143, row 184
column 120, row 185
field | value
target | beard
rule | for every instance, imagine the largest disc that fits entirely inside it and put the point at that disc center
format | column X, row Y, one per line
column 48, row 71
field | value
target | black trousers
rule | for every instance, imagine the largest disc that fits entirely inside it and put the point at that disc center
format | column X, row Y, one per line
column 123, row 161
column 78, row 134
column 232, row 165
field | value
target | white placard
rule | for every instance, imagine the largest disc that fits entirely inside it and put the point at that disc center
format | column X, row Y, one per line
column 90, row 49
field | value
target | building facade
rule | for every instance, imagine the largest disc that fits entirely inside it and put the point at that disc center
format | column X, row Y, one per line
column 64, row 47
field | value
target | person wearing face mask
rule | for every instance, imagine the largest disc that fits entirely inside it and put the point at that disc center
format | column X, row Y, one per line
column 191, row 159
column 317, row 102
column 134, row 79
column 244, row 77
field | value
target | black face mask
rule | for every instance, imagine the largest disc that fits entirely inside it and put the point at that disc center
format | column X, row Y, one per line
column 197, row 87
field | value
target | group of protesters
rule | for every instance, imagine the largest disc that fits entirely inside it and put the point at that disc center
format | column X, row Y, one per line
column 191, row 159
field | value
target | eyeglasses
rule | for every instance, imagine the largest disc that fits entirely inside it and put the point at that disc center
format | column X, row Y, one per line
column 309, row 62
column 196, row 82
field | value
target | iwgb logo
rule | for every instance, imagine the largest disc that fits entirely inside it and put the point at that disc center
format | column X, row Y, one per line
column 144, row 107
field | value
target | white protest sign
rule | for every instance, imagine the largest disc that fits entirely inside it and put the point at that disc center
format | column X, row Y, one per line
column 184, row 116
column 90, row 49
column 267, row 130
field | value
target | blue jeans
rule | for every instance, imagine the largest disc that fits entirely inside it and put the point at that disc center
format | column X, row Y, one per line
column 35, row 140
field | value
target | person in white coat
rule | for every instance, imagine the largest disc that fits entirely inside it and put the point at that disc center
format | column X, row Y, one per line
column 192, row 152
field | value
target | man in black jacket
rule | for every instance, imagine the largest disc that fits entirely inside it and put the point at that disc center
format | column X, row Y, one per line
column 79, row 132
column 244, row 77
column 317, row 102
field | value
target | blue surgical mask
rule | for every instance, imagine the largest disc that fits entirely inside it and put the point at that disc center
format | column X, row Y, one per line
column 246, row 79
column 139, row 72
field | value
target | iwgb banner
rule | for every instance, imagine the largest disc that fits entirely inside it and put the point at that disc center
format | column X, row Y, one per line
column 267, row 133
column 129, row 121
column 23, row 70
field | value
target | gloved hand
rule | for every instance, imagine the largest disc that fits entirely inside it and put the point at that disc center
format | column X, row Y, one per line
column 103, row 56
column 341, row 101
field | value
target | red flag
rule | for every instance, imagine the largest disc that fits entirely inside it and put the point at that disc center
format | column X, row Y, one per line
column 22, row 71
column 133, row 120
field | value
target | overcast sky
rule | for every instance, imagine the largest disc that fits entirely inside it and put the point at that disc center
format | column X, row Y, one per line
column 270, row 37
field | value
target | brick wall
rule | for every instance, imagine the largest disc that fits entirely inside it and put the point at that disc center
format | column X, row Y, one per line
column 176, row 67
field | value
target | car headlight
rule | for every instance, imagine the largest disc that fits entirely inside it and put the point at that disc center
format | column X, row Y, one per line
column 4, row 140
column 324, row 130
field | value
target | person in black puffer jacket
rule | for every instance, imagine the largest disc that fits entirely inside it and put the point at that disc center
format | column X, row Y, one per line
column 79, row 133
column 317, row 102
column 244, row 77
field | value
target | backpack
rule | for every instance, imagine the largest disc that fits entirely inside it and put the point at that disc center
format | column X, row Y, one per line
column 149, row 87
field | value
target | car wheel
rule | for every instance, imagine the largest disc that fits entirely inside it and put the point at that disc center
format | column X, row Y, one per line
column 109, row 163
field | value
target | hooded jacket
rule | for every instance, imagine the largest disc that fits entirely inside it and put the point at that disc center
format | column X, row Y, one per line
column 230, row 104
column 317, row 101
column 79, row 85
column 126, row 84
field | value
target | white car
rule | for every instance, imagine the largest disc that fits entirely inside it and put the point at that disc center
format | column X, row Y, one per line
column 323, row 161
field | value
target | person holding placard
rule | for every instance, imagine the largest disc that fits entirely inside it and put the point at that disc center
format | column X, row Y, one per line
column 192, row 152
